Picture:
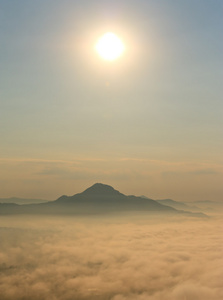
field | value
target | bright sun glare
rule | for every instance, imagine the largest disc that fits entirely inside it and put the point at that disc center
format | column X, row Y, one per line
column 109, row 46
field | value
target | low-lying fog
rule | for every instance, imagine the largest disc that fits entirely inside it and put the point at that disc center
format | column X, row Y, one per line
column 112, row 258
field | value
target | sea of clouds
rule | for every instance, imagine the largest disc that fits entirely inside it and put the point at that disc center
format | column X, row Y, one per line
column 110, row 258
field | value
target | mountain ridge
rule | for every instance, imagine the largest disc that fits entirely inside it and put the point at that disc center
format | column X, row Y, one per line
column 97, row 199
column 22, row 201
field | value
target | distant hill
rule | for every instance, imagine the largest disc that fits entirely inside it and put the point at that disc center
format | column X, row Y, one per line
column 206, row 205
column 195, row 206
column 98, row 199
column 21, row 201
column 178, row 205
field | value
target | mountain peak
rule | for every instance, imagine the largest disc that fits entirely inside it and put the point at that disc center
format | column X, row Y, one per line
column 101, row 189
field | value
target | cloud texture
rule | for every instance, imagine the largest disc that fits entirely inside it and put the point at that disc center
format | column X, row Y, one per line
column 128, row 258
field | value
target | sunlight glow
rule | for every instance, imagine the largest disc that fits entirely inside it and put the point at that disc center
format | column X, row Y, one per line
column 109, row 46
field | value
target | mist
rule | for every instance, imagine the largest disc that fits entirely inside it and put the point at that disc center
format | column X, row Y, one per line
column 134, row 257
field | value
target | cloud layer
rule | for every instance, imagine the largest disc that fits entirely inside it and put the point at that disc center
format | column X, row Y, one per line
column 128, row 258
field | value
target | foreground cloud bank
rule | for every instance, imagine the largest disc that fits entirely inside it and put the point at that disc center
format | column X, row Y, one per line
column 110, row 259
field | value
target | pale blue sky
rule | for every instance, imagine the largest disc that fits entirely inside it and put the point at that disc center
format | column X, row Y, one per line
column 161, row 102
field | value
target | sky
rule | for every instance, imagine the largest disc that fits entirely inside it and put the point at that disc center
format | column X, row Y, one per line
column 148, row 123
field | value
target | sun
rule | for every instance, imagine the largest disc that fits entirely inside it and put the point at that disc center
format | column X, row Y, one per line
column 109, row 46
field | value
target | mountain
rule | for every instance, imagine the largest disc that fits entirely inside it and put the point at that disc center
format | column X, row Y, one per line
column 102, row 189
column 21, row 201
column 194, row 206
column 98, row 199
column 9, row 208
column 102, row 198
column 177, row 204
column 206, row 205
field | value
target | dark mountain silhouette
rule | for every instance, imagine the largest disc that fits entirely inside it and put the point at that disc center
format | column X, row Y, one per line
column 102, row 189
column 101, row 198
column 97, row 199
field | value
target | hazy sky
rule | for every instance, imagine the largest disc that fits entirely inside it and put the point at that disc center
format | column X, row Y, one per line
column 149, row 123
